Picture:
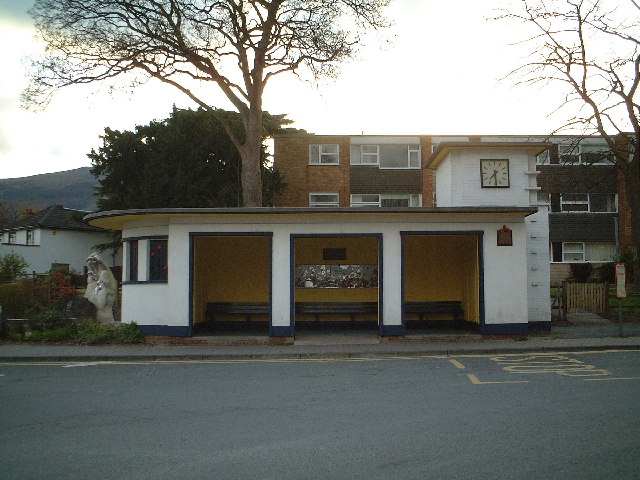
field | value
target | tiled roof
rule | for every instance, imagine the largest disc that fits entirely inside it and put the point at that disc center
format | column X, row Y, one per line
column 55, row 216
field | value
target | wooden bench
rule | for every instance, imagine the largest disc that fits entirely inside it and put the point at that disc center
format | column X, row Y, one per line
column 237, row 308
column 422, row 308
column 329, row 308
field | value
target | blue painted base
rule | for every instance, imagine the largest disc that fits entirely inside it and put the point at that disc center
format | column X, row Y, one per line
column 539, row 326
column 392, row 330
column 505, row 329
column 167, row 330
column 281, row 331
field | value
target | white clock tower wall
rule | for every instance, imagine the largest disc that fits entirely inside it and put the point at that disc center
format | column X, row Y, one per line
column 458, row 179
column 459, row 184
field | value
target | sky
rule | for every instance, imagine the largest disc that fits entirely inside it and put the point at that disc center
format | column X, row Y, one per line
column 436, row 72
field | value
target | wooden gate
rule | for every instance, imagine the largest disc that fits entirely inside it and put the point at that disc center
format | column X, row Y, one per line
column 586, row 297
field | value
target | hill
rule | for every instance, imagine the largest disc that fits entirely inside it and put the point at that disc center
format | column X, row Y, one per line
column 71, row 188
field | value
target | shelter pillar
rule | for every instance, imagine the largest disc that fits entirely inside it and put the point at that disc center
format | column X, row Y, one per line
column 391, row 266
column 281, row 316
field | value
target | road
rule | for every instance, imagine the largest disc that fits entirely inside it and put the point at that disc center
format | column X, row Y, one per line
column 554, row 416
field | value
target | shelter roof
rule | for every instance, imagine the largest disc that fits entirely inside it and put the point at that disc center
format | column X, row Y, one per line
column 117, row 219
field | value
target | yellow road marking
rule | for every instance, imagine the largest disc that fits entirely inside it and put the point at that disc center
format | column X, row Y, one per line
column 476, row 381
column 457, row 364
column 610, row 379
column 450, row 357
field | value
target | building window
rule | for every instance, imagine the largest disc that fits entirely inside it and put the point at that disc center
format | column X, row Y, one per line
column 158, row 266
column 365, row 200
column 414, row 156
column 324, row 154
column 399, row 156
column 584, row 154
column 544, row 198
column 133, row 260
column 589, row 202
column 392, row 156
column 30, row 237
column 603, row 202
column 543, row 158
column 11, row 238
column 324, row 199
column 573, row 252
column 387, row 200
column 369, row 154
column 401, row 200
column 574, row 202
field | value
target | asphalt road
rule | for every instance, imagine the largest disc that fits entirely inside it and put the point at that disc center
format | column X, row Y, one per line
column 555, row 416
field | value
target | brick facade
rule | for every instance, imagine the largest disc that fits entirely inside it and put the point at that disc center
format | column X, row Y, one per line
column 291, row 154
column 292, row 161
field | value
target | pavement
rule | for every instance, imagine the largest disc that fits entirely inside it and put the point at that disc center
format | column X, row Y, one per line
column 581, row 332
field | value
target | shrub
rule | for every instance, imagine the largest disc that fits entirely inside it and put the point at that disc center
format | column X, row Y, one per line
column 12, row 266
column 580, row 272
column 93, row 333
column 62, row 290
column 605, row 273
column 89, row 333
column 15, row 299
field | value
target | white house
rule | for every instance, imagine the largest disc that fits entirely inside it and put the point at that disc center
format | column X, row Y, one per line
column 54, row 236
column 478, row 259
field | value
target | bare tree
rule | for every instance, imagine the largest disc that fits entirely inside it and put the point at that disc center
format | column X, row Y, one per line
column 591, row 48
column 236, row 45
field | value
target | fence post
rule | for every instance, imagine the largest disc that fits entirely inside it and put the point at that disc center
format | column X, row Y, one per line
column 563, row 310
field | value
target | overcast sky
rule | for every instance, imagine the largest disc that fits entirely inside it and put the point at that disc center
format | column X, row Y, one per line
column 439, row 75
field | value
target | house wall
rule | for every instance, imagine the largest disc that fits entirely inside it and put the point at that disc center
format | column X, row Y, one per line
column 59, row 246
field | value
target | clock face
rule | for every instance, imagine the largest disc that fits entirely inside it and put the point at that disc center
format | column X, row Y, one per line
column 494, row 173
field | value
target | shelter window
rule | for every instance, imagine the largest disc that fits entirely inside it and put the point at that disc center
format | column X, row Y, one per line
column 324, row 199
column 158, row 266
column 324, row 154
column 133, row 260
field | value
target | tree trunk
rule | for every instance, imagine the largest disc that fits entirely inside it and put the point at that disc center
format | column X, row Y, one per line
column 632, row 185
column 250, row 153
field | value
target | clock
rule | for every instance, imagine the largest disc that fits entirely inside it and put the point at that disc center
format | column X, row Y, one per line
column 494, row 173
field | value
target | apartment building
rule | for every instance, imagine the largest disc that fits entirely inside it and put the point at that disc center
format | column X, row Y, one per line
column 575, row 179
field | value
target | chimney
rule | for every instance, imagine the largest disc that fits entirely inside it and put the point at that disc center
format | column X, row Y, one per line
column 27, row 213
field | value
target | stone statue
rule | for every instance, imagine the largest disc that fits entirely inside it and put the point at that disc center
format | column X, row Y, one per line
column 101, row 288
